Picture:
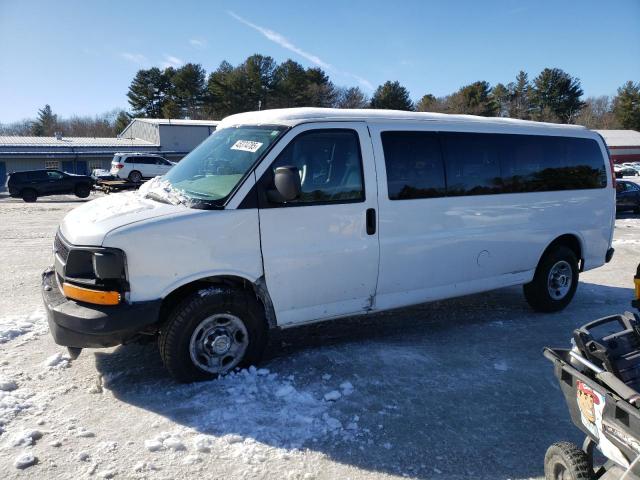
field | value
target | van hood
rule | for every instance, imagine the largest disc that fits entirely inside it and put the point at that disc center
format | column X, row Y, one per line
column 92, row 221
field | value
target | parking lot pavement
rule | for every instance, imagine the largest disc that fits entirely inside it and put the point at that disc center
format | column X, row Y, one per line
column 455, row 389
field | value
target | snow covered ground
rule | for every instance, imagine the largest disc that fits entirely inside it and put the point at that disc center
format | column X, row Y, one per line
column 450, row 390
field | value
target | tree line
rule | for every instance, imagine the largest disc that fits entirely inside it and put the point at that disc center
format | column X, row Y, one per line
column 47, row 124
column 261, row 83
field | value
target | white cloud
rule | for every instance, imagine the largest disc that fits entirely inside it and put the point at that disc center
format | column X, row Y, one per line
column 198, row 43
column 171, row 61
column 137, row 58
column 285, row 43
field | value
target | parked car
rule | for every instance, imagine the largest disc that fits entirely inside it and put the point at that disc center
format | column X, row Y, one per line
column 29, row 185
column 624, row 171
column 627, row 196
column 136, row 166
column 273, row 222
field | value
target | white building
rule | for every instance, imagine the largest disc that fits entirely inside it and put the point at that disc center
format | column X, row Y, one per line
column 624, row 145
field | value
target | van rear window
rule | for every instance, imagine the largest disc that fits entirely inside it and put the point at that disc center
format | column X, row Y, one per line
column 483, row 164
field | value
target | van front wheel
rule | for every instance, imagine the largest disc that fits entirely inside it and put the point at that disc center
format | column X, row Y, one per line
column 554, row 282
column 212, row 332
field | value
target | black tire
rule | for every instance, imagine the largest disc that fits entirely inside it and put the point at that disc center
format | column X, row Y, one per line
column 29, row 195
column 176, row 334
column 540, row 294
column 565, row 461
column 83, row 191
column 135, row 176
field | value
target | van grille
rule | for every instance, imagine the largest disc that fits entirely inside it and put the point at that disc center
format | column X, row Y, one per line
column 60, row 248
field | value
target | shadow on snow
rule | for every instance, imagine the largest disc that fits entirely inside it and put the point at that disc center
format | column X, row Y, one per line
column 458, row 387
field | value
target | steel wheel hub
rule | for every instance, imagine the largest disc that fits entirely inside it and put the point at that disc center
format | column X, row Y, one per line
column 218, row 343
column 560, row 280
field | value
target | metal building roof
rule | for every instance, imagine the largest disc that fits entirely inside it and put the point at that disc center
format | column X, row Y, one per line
column 169, row 121
column 621, row 138
column 71, row 142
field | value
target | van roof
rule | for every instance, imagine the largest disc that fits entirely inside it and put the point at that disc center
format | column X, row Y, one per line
column 294, row 116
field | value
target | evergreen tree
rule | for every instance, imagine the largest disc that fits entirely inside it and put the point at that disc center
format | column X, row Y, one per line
column 626, row 106
column 122, row 120
column 290, row 85
column 320, row 91
column 556, row 96
column 46, row 123
column 475, row 99
column 351, row 98
column 502, row 96
column 259, row 72
column 148, row 92
column 391, row 96
column 520, row 105
column 226, row 92
column 187, row 92
column 427, row 103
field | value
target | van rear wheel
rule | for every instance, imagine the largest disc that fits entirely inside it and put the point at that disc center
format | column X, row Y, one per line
column 212, row 332
column 555, row 281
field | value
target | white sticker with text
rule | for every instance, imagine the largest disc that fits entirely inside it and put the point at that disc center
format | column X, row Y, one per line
column 246, row 146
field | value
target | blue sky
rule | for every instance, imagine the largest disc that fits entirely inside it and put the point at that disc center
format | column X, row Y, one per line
column 80, row 56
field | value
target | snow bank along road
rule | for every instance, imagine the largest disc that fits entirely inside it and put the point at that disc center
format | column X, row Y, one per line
column 450, row 390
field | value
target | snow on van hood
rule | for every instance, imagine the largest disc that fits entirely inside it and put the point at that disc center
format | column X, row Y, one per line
column 90, row 223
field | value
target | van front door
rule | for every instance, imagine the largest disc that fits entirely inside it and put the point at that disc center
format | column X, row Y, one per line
column 320, row 251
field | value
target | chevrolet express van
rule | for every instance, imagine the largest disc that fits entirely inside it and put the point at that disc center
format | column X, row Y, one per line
column 286, row 217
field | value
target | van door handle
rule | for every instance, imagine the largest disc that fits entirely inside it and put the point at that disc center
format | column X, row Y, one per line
column 371, row 221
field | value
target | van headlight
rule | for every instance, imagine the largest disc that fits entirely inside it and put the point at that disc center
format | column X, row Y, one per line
column 91, row 274
column 95, row 265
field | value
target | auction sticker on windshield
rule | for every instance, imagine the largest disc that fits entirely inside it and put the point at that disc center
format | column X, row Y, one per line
column 246, row 146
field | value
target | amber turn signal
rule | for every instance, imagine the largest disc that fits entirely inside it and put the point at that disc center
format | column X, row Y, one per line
column 90, row 296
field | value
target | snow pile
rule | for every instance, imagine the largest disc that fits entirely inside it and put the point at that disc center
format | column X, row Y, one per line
column 165, row 441
column 159, row 187
column 25, row 460
column 7, row 385
column 57, row 361
column 14, row 326
column 13, row 403
column 26, row 438
column 253, row 404
column 205, row 292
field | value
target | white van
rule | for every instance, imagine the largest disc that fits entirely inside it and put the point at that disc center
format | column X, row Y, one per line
column 286, row 217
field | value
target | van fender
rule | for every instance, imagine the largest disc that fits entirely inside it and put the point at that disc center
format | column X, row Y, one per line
column 258, row 285
column 563, row 239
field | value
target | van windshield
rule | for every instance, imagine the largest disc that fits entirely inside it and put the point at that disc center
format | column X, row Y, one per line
column 213, row 169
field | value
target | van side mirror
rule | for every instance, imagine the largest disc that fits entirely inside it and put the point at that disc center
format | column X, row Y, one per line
column 287, row 182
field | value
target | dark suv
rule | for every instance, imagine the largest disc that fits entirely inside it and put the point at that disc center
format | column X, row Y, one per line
column 38, row 183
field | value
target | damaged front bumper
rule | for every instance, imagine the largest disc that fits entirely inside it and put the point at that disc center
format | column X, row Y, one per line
column 83, row 325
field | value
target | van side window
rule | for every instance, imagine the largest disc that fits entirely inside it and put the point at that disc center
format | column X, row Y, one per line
column 329, row 163
column 473, row 163
column 540, row 164
column 414, row 165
